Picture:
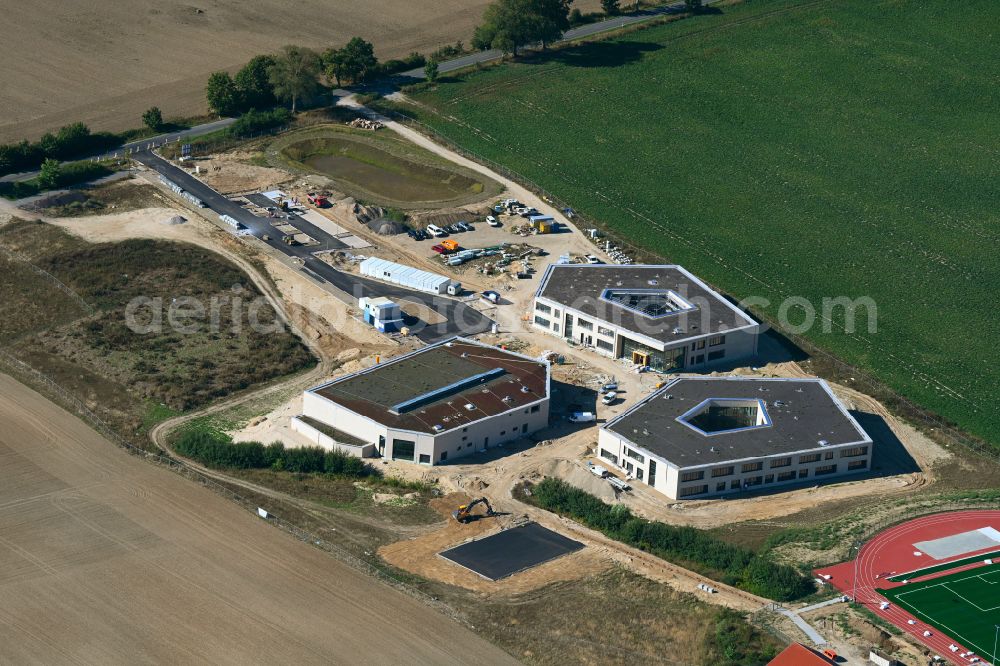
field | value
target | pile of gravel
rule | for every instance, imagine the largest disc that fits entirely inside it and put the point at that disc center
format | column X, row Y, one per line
column 176, row 219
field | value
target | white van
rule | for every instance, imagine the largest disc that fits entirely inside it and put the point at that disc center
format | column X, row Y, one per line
column 436, row 231
column 492, row 221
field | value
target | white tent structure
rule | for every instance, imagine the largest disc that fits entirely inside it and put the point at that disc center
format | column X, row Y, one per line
column 409, row 277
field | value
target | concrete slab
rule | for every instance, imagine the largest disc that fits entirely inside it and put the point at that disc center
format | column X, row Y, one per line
column 508, row 552
column 960, row 544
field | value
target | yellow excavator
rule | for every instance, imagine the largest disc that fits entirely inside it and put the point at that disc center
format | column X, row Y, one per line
column 463, row 514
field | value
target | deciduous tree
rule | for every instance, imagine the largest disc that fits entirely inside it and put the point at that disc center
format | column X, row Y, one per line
column 293, row 74
column 253, row 84
column 222, row 95
column 153, row 118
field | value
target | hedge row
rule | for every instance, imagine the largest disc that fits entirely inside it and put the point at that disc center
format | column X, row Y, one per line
column 733, row 565
column 63, row 175
column 220, row 451
column 254, row 122
column 71, row 141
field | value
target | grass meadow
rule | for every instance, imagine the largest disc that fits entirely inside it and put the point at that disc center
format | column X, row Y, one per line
column 780, row 149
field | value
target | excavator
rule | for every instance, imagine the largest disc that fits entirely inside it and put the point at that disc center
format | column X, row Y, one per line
column 463, row 514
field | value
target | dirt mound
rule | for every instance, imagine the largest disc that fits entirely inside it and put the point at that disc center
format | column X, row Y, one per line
column 175, row 220
column 386, row 227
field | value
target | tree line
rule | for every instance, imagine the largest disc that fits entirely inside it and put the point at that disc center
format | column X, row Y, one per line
column 700, row 551
column 219, row 451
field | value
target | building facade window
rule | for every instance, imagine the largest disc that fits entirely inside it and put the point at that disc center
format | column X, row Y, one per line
column 723, row 471
column 542, row 321
column 857, row 464
column 754, row 481
column 809, row 458
column 402, row 449
column 535, row 409
column 698, row 344
column 696, row 475
column 720, row 487
column 854, row 452
column 716, row 355
column 635, row 455
column 607, row 455
column 786, row 476
column 606, row 332
column 716, row 341
column 584, row 324
column 825, row 469
column 781, row 462
column 693, row 490
column 425, row 458
column 605, row 345
column 752, row 467
column 541, row 307
column 652, row 473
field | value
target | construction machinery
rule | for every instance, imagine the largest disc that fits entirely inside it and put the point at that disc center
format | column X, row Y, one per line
column 463, row 514
column 318, row 200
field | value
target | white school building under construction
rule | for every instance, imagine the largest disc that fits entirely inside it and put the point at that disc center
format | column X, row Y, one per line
column 701, row 437
column 430, row 406
column 657, row 316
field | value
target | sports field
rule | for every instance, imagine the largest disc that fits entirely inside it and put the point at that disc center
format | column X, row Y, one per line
column 964, row 605
column 787, row 148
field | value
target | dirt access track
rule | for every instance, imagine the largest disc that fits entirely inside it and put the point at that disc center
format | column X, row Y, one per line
column 107, row 558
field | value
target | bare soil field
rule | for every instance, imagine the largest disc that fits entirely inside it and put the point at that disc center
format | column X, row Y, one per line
column 106, row 63
column 105, row 558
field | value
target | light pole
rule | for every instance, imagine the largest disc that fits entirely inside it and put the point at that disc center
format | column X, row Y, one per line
column 996, row 635
column 857, row 555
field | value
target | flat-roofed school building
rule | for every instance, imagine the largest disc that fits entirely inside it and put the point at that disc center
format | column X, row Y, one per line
column 701, row 437
column 432, row 405
column 658, row 316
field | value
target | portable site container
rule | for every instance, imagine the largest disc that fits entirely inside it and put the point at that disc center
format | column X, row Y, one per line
column 408, row 276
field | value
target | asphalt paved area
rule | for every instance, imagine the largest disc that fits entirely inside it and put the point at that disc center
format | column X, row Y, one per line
column 459, row 318
column 508, row 552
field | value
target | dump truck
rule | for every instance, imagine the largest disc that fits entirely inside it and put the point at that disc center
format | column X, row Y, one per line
column 450, row 245
column 463, row 514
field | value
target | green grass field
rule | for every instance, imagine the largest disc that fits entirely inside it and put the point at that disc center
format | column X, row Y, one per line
column 963, row 605
column 813, row 149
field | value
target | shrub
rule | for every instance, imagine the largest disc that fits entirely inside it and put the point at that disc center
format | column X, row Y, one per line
column 218, row 450
column 734, row 565
column 254, row 122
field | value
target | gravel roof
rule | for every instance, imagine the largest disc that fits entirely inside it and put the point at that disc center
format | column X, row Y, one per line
column 802, row 413
column 582, row 286
column 432, row 386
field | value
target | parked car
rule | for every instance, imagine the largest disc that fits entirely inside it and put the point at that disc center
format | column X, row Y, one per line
column 492, row 221
column 610, row 398
column 599, row 471
column 591, row 259
column 465, row 226
column 440, row 249
column 582, row 417
column 436, row 231
column 609, row 387
column 455, row 229
column 528, row 212
column 411, row 233
column 421, row 234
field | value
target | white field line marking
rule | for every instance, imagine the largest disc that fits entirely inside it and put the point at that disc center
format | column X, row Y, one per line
column 979, row 650
column 971, row 603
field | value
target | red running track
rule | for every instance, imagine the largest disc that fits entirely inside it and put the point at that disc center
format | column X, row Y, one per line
column 892, row 552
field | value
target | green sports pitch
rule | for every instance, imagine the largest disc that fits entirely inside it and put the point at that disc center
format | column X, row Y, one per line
column 963, row 605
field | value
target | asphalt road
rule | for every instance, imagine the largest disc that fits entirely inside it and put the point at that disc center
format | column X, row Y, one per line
column 143, row 144
column 459, row 318
column 570, row 35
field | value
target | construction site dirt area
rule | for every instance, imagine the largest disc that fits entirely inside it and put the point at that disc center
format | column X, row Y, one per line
column 420, row 554
column 108, row 558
